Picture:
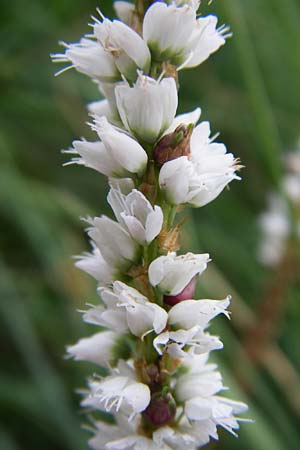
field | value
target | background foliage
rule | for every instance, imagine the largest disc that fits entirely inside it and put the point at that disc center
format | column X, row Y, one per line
column 250, row 92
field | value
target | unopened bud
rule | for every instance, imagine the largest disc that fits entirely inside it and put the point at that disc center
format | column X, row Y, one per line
column 161, row 410
column 186, row 294
column 174, row 145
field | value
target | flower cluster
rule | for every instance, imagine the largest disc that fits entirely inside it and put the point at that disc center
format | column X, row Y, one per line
column 282, row 219
column 160, row 388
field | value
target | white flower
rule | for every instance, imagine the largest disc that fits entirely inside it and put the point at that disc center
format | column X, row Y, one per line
column 291, row 185
column 107, row 91
column 106, row 433
column 194, row 3
column 116, row 245
column 205, row 40
column 111, row 159
column 167, row 30
column 148, row 108
column 199, row 178
column 122, row 436
column 275, row 228
column 175, row 342
column 172, row 273
column 191, row 313
column 118, row 392
column 187, row 321
column 129, row 50
column 95, row 265
column 184, row 119
column 135, row 212
column 174, row 33
column 127, row 152
column 142, row 316
column 97, row 348
column 112, row 318
column 198, row 389
column 90, row 58
column 292, row 161
column 125, row 11
column 101, row 108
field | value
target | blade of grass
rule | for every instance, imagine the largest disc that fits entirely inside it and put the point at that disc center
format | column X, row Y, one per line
column 45, row 377
column 269, row 141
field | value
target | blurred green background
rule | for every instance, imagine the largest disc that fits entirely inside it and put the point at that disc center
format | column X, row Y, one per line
column 250, row 91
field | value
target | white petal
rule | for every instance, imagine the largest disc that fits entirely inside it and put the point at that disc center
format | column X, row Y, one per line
column 191, row 313
column 124, row 11
column 129, row 153
column 96, row 348
column 154, row 224
column 185, row 119
column 148, row 108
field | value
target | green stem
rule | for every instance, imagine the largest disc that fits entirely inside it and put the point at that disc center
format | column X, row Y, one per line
column 172, row 215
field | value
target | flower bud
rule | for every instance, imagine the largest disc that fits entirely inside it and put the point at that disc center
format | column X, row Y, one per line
column 97, row 348
column 148, row 108
column 173, row 145
column 186, row 294
column 136, row 214
column 171, row 273
column 161, row 410
column 128, row 49
column 89, row 58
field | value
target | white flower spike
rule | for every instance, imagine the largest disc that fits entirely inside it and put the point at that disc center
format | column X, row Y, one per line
column 160, row 387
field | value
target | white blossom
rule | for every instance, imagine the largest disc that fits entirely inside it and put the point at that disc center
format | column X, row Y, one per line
column 142, row 316
column 194, row 339
column 148, row 108
column 125, row 11
column 95, row 265
column 184, row 119
column 291, row 186
column 136, row 214
column 129, row 50
column 199, row 388
column 275, row 228
column 127, row 152
column 187, row 321
column 103, row 107
column 174, row 33
column 117, row 156
column 292, row 160
column 191, row 313
column 201, row 177
column 172, row 273
column 90, row 58
column 118, row 393
column 168, row 383
column 97, row 348
column 116, row 245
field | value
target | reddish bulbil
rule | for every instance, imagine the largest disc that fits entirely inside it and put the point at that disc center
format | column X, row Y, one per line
column 186, row 294
column 160, row 411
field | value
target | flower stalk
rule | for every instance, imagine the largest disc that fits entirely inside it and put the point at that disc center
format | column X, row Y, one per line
column 160, row 388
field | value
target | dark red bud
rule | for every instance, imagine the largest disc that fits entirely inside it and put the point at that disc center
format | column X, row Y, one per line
column 173, row 145
column 161, row 411
column 186, row 294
